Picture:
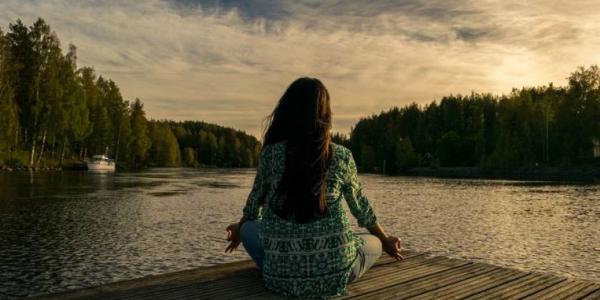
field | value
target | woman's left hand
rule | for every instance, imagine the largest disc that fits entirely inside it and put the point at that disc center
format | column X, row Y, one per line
column 233, row 236
column 393, row 247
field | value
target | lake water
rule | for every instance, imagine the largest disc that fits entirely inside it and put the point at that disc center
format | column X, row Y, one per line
column 69, row 230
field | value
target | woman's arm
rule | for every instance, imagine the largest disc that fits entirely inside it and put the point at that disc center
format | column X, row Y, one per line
column 361, row 208
column 357, row 202
column 254, row 202
column 391, row 245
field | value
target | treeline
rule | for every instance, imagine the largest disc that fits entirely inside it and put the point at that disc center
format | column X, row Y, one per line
column 52, row 111
column 541, row 126
column 194, row 143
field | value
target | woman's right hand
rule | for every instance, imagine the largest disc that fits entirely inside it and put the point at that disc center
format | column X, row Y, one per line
column 392, row 245
column 233, row 236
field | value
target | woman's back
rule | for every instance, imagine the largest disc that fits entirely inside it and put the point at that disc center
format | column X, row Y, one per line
column 312, row 259
column 294, row 226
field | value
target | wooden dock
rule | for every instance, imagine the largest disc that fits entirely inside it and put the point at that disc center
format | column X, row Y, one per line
column 419, row 276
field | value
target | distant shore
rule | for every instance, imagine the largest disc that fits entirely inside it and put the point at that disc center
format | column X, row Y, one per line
column 81, row 166
column 71, row 166
column 587, row 174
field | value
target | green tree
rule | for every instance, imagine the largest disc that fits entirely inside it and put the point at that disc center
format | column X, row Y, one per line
column 449, row 149
column 49, row 107
column 9, row 122
column 165, row 149
column 189, row 157
column 140, row 141
column 250, row 160
column 51, row 117
column 34, row 51
column 54, row 110
column 577, row 115
column 517, row 125
column 73, row 122
column 341, row 139
column 212, row 146
column 118, row 113
column 367, row 158
column 406, row 158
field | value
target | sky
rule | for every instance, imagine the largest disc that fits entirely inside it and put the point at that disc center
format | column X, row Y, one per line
column 228, row 62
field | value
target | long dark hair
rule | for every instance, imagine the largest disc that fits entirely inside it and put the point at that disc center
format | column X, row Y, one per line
column 302, row 118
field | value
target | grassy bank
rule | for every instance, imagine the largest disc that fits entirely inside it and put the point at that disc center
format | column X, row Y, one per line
column 19, row 161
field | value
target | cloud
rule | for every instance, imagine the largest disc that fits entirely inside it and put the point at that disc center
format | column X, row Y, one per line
column 228, row 62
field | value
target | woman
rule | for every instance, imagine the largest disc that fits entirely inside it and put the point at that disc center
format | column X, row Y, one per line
column 293, row 224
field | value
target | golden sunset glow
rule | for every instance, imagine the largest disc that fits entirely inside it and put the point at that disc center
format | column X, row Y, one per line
column 228, row 62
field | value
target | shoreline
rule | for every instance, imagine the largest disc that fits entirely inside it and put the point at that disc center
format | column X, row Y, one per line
column 586, row 174
column 83, row 167
column 70, row 166
column 583, row 175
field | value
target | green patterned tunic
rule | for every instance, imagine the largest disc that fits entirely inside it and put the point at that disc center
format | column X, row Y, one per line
column 310, row 260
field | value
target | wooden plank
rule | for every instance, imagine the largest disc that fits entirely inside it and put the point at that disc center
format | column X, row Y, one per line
column 422, row 285
column 521, row 287
column 473, row 285
column 215, row 287
column 382, row 270
column 514, row 281
column 419, row 264
column 386, row 259
column 595, row 295
column 392, row 278
column 243, row 278
column 384, row 275
column 243, row 283
column 579, row 291
column 533, row 288
column 561, row 290
column 235, row 290
column 586, row 291
column 367, row 286
column 217, row 291
column 419, row 276
column 418, row 261
column 225, row 287
column 270, row 296
column 194, row 275
column 233, row 293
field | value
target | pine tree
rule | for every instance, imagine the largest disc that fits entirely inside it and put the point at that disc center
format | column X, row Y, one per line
column 165, row 148
column 140, row 140
column 9, row 122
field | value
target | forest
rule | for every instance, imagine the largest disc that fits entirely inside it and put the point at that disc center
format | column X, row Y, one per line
column 545, row 126
column 53, row 112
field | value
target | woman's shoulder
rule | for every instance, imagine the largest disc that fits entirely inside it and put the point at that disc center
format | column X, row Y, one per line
column 341, row 151
column 273, row 148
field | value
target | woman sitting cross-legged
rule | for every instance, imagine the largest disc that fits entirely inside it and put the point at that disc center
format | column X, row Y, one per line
column 294, row 226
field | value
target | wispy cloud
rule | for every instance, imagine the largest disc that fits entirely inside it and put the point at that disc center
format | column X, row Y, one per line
column 228, row 61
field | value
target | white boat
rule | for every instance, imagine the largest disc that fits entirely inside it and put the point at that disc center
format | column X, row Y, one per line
column 100, row 163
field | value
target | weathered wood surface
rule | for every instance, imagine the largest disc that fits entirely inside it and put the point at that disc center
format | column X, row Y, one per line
column 419, row 276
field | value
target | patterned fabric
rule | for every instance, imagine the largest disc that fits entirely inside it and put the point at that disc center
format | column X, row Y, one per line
column 310, row 260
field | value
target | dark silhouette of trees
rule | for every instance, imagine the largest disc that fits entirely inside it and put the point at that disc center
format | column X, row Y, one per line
column 541, row 126
column 214, row 145
column 51, row 111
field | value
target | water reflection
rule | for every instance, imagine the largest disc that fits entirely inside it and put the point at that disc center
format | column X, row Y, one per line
column 73, row 229
column 515, row 225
